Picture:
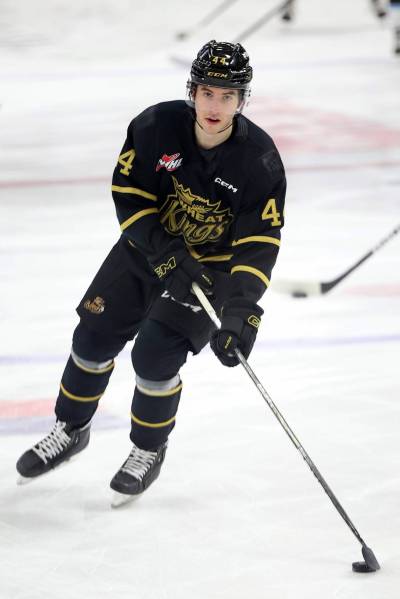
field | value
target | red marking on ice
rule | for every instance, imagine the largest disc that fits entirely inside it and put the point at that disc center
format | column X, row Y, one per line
column 26, row 408
column 376, row 290
column 297, row 129
column 344, row 167
column 49, row 182
column 298, row 168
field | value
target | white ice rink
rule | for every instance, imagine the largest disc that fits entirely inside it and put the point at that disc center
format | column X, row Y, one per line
column 236, row 513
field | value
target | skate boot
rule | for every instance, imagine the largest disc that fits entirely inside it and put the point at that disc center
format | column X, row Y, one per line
column 137, row 473
column 59, row 445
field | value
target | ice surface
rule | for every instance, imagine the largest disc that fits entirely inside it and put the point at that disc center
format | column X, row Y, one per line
column 236, row 512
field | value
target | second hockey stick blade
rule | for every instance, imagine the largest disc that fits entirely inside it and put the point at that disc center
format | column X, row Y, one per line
column 306, row 288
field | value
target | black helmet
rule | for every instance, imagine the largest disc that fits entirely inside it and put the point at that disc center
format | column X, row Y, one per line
column 222, row 64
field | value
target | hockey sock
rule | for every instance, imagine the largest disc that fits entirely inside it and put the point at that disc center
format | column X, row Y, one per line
column 82, row 384
column 154, row 407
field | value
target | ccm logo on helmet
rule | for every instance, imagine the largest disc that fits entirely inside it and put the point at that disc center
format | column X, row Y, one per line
column 225, row 184
column 217, row 74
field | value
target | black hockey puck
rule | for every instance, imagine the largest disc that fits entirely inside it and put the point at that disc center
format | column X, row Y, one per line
column 299, row 294
column 361, row 567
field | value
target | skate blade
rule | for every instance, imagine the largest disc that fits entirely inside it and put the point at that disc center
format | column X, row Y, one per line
column 24, row 480
column 120, row 499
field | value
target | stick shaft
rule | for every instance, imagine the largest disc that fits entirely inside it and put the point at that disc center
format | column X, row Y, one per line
column 304, row 288
column 278, row 415
column 218, row 10
column 270, row 14
column 288, row 430
column 329, row 284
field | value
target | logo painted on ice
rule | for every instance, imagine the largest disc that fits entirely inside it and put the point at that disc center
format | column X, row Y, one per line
column 170, row 163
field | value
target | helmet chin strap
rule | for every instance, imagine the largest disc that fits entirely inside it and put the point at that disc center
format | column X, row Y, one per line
column 221, row 130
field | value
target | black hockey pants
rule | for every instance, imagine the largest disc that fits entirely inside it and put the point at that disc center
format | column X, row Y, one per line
column 125, row 299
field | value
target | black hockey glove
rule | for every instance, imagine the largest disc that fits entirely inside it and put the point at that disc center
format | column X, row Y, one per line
column 178, row 270
column 239, row 325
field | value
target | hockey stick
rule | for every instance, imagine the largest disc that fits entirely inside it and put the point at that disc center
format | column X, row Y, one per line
column 371, row 563
column 287, row 15
column 218, row 10
column 378, row 9
column 270, row 14
column 305, row 288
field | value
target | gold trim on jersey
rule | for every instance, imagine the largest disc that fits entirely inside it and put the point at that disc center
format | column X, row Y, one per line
column 152, row 424
column 259, row 238
column 154, row 393
column 251, row 270
column 135, row 191
column 193, row 253
column 79, row 397
column 213, row 258
column 221, row 258
column 127, row 223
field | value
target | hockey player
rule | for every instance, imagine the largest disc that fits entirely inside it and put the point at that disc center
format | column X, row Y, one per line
column 378, row 6
column 199, row 193
column 395, row 19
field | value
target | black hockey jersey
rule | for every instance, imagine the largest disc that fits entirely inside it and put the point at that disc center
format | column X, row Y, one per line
column 226, row 204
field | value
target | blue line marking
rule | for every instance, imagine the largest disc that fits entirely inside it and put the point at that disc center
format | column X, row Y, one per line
column 304, row 342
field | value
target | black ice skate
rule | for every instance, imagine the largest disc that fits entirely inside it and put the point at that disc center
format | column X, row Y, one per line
column 137, row 473
column 58, row 446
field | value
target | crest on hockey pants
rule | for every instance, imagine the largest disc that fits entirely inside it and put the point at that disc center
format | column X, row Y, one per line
column 96, row 306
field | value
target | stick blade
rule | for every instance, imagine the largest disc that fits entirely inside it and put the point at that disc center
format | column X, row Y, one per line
column 182, row 35
column 370, row 558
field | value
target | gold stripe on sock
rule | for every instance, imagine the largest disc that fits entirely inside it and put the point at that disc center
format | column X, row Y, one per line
column 78, row 397
column 152, row 424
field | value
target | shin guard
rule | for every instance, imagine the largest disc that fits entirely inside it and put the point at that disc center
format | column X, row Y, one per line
column 154, row 408
column 82, row 385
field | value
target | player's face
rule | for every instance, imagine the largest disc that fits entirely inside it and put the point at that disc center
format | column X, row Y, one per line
column 215, row 107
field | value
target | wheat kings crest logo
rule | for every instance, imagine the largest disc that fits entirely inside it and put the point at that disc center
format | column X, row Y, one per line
column 198, row 219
